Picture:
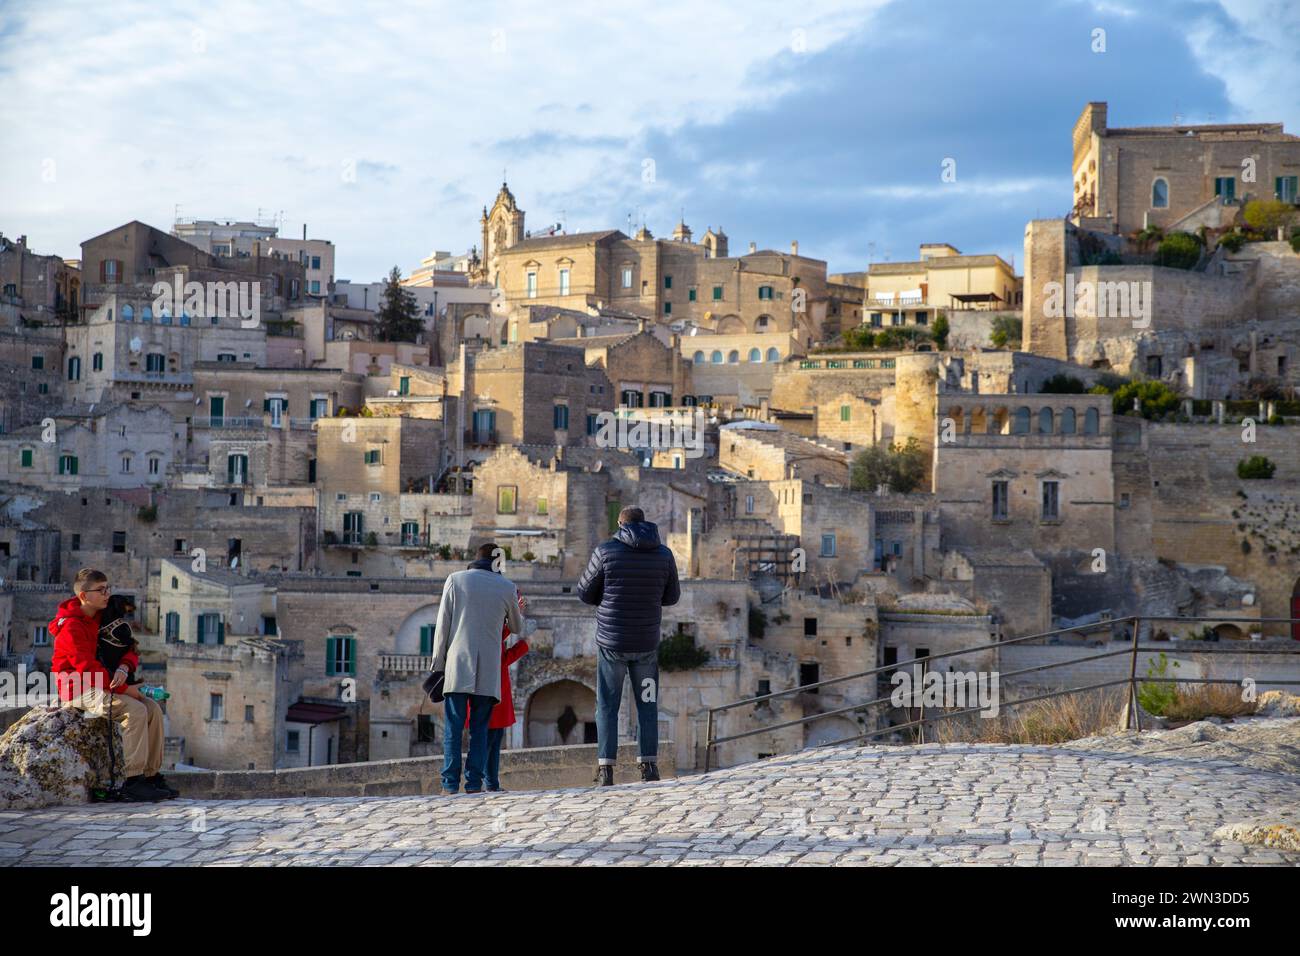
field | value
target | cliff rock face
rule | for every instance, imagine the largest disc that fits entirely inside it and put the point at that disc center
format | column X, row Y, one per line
column 54, row 755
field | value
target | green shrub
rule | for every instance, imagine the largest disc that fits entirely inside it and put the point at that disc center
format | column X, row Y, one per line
column 1232, row 241
column 372, row 539
column 1295, row 242
column 1157, row 698
column 529, row 556
column 1267, row 215
column 1202, row 406
column 1155, row 399
column 444, row 552
column 148, row 513
column 677, row 652
column 1178, row 250
column 1007, row 331
column 1276, row 420
column 1255, row 467
column 1062, row 384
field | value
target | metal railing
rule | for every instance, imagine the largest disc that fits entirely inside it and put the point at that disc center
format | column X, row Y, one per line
column 226, row 421
column 1132, row 718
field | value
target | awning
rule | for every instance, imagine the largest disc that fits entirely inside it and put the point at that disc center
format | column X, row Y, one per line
column 305, row 713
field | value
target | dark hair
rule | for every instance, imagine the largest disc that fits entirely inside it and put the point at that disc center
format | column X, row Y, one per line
column 486, row 551
column 87, row 577
column 629, row 515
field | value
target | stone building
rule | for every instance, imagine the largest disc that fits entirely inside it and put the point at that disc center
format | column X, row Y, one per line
column 36, row 289
column 763, row 451
column 1176, row 177
column 109, row 446
column 666, row 280
column 941, row 280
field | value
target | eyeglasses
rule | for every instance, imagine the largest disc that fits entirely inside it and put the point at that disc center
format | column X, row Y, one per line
column 105, row 589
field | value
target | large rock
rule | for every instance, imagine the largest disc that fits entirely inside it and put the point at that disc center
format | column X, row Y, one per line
column 1278, row 703
column 54, row 755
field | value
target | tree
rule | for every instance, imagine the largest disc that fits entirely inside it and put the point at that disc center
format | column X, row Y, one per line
column 1062, row 384
column 940, row 331
column 1155, row 399
column 1267, row 215
column 860, row 338
column 399, row 316
column 1007, row 331
column 900, row 469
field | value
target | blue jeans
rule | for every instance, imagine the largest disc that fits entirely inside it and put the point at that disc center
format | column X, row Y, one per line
column 611, row 668
column 480, row 712
column 495, row 738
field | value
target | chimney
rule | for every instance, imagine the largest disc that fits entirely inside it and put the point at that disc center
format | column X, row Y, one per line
column 304, row 232
column 753, row 247
column 794, row 248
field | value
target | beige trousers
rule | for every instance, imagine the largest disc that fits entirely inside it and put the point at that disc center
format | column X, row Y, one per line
column 142, row 727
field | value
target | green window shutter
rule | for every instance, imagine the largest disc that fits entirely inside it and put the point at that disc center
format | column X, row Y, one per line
column 74, row 464
column 612, row 509
column 426, row 639
column 266, row 404
column 350, row 648
column 202, row 628
column 221, row 631
column 27, row 458
column 329, row 656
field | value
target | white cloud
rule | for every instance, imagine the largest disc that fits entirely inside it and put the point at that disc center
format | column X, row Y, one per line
column 143, row 107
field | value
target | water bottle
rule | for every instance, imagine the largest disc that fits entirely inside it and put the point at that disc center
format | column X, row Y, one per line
column 153, row 692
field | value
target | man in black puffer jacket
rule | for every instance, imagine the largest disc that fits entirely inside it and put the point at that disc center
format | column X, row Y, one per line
column 629, row 579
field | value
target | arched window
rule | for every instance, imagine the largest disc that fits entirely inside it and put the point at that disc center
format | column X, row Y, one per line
column 699, row 357
column 773, row 355
column 755, row 355
column 716, row 358
column 1160, row 194
column 1091, row 421
column 1021, row 424
column 128, row 314
column 146, row 314
column 1045, row 421
column 733, row 357
column 1068, row 424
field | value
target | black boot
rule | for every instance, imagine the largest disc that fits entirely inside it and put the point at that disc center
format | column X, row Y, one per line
column 139, row 790
column 158, row 782
column 649, row 771
column 605, row 775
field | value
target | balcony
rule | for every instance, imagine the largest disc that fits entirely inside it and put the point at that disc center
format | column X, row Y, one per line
column 480, row 436
column 305, row 424
column 225, row 421
column 405, row 663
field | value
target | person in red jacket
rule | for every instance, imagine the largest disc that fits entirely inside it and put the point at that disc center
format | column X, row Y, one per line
column 85, row 683
column 503, row 714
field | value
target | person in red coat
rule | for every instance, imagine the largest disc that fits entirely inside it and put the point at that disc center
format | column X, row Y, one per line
column 503, row 714
column 86, row 684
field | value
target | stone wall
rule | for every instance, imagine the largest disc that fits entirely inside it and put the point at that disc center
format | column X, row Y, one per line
column 538, row 768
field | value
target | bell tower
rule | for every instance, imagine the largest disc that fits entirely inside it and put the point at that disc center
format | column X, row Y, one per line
column 503, row 226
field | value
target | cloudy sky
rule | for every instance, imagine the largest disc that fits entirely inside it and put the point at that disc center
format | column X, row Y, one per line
column 387, row 127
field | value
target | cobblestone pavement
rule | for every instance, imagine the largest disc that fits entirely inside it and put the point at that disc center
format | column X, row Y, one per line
column 935, row 804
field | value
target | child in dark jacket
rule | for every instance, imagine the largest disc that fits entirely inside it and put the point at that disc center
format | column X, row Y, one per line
column 503, row 714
